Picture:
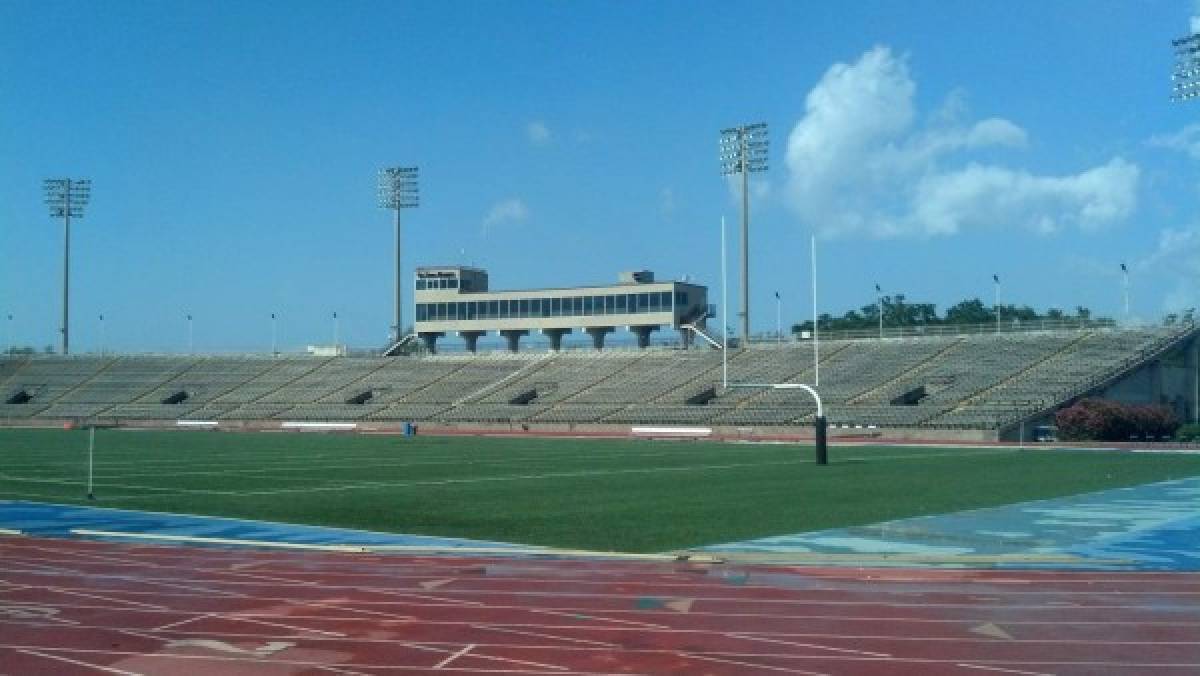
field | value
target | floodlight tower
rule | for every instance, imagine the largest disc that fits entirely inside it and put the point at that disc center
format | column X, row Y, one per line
column 398, row 190
column 1186, row 86
column 743, row 150
column 66, row 198
column 1186, row 77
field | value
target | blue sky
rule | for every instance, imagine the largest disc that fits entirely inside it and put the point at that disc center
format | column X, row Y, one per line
column 233, row 149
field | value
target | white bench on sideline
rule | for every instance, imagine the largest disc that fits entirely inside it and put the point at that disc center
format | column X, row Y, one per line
column 671, row 432
column 318, row 426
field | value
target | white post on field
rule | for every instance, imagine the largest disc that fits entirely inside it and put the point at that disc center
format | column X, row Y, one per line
column 724, row 312
column 816, row 331
column 91, row 454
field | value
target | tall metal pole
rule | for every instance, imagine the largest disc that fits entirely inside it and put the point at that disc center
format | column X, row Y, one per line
column 274, row 336
column 398, row 190
column 66, row 198
column 996, row 278
column 399, row 312
column 816, row 329
column 778, row 318
column 66, row 324
column 724, row 311
column 1125, row 290
column 91, row 454
column 191, row 336
column 879, row 308
column 744, row 150
column 101, row 335
column 745, row 249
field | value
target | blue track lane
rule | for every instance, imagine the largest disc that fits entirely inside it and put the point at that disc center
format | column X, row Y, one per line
column 50, row 520
column 1150, row 527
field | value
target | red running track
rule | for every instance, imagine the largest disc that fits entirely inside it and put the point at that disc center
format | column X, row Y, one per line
column 71, row 606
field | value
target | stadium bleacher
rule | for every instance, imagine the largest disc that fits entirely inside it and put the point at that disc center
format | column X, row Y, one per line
column 952, row 382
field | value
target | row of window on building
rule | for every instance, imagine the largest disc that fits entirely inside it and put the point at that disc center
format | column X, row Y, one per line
column 442, row 283
column 572, row 306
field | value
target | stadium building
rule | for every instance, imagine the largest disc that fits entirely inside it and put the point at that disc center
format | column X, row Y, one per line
column 456, row 299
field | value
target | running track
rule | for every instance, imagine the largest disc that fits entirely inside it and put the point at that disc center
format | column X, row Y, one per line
column 89, row 607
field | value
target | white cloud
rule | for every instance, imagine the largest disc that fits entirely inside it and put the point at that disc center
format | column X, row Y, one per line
column 538, row 133
column 859, row 162
column 1186, row 140
column 1194, row 21
column 505, row 212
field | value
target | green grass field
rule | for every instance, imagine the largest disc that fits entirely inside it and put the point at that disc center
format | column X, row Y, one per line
column 621, row 495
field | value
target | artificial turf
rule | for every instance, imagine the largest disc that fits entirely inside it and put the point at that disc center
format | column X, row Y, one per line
column 619, row 495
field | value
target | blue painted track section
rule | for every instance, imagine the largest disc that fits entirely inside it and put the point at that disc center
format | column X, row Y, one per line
column 1149, row 527
column 51, row 520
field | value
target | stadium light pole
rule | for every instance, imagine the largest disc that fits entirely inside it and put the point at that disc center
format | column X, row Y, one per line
column 743, row 150
column 724, row 312
column 101, row 335
column 335, row 333
column 1186, row 78
column 191, row 336
column 274, row 336
column 66, row 198
column 879, row 307
column 397, row 191
column 1125, row 290
column 778, row 318
column 996, row 303
column 8, row 338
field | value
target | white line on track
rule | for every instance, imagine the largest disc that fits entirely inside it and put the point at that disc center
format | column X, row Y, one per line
column 258, row 661
column 1007, row 671
column 469, row 647
column 571, row 611
column 535, row 634
column 79, row 663
column 750, row 664
column 810, row 645
column 180, row 623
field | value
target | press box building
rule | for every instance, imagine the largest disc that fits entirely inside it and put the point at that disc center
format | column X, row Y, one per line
column 456, row 299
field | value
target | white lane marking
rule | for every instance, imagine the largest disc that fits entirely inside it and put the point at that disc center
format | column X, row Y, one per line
column 811, row 645
column 469, row 647
column 280, row 625
column 79, row 663
column 1007, row 671
column 314, row 665
column 151, row 606
column 178, row 623
column 506, row 630
column 751, row 664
